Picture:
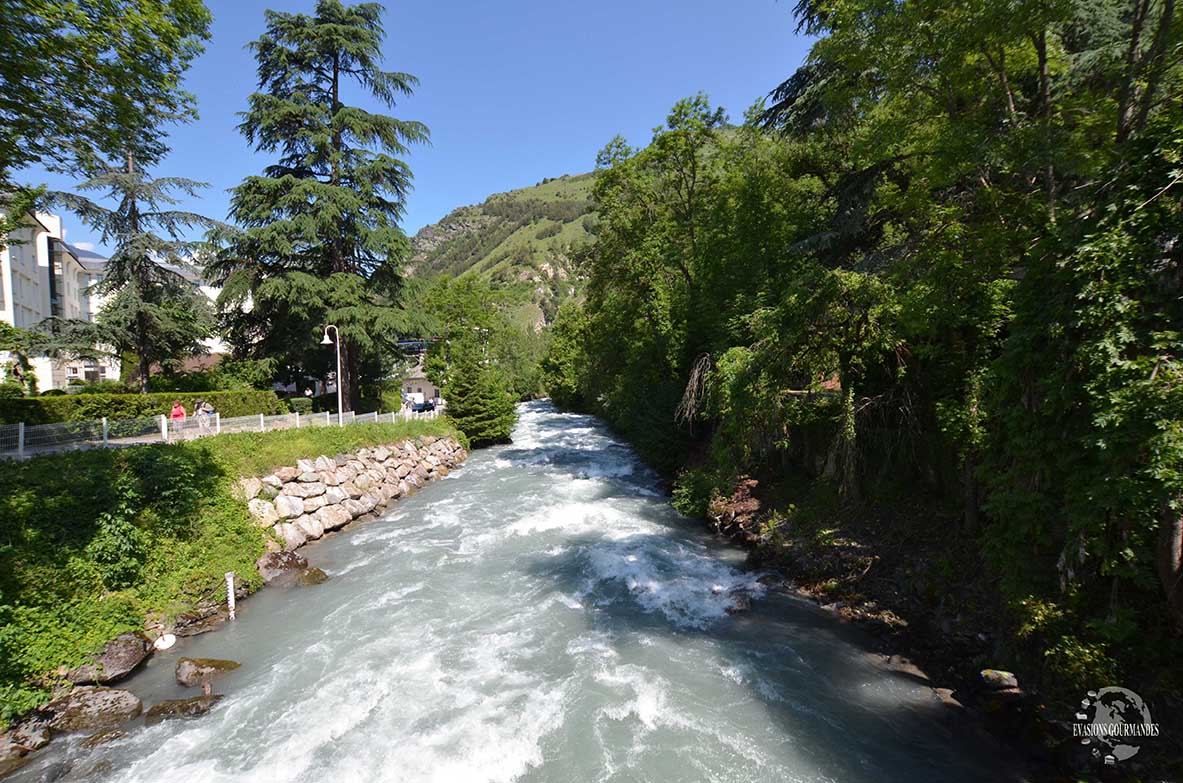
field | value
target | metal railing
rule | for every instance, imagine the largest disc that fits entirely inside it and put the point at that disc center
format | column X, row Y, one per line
column 19, row 441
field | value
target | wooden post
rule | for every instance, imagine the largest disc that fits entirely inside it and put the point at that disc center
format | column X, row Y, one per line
column 20, row 440
column 217, row 423
column 104, row 430
column 262, row 425
column 297, row 419
column 164, row 428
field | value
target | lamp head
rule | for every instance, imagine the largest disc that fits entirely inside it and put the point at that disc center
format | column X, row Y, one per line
column 326, row 340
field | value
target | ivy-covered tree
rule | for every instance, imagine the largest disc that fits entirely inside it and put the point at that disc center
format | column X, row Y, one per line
column 153, row 311
column 478, row 400
column 91, row 79
column 319, row 240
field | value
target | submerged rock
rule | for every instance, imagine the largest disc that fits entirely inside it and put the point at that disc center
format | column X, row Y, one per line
column 118, row 659
column 312, row 576
column 88, row 708
column 181, row 708
column 192, row 672
column 273, row 565
column 103, row 737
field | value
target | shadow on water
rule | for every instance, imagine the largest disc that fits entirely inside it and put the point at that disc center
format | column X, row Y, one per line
column 814, row 677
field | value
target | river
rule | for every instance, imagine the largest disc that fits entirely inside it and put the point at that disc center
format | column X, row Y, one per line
column 541, row 614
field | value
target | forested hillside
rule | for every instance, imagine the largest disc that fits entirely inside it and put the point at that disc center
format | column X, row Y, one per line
column 931, row 295
column 524, row 240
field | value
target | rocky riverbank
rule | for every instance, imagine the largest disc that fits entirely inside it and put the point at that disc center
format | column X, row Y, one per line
column 302, row 502
column 296, row 504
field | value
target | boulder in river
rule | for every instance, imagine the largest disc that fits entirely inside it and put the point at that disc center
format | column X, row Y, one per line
column 311, row 577
column 181, row 708
column 32, row 732
column 103, row 737
column 333, row 517
column 273, row 565
column 88, row 708
column 119, row 658
column 192, row 672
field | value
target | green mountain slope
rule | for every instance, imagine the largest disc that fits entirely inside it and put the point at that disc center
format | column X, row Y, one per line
column 524, row 239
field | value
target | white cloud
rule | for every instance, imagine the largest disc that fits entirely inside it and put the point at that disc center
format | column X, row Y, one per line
column 84, row 245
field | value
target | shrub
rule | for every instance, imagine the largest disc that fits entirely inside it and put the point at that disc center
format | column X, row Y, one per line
column 91, row 407
column 10, row 390
column 300, row 405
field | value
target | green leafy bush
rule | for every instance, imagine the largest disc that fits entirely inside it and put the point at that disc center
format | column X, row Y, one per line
column 300, row 405
column 10, row 390
column 91, row 407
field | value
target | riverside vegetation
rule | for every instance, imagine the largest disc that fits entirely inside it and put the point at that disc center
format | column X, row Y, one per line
column 93, row 542
column 929, row 298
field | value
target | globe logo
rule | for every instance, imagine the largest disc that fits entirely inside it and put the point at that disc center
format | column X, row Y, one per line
column 1114, row 721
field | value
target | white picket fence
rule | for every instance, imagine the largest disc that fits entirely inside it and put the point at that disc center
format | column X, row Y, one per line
column 18, row 441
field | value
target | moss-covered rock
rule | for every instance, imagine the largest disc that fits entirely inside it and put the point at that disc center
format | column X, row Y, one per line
column 195, row 671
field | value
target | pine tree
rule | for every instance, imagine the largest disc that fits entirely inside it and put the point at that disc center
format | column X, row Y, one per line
column 154, row 312
column 478, row 401
column 320, row 240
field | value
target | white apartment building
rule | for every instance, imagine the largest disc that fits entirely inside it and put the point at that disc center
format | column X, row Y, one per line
column 43, row 276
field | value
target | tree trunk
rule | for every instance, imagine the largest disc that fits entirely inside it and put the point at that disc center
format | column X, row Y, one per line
column 1045, row 99
column 969, row 485
column 1170, row 561
column 848, row 445
column 1157, row 60
column 142, row 352
column 145, row 369
column 1126, row 96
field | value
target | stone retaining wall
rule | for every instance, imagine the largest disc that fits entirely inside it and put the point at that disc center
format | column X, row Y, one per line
column 302, row 503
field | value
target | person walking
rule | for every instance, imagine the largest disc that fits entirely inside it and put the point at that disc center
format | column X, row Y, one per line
column 177, row 417
column 201, row 414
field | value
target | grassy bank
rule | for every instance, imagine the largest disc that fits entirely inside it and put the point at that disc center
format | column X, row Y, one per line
column 92, row 542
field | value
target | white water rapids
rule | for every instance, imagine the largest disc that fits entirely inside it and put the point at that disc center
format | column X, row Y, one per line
column 540, row 615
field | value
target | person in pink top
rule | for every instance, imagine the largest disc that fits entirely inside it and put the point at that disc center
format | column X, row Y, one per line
column 177, row 416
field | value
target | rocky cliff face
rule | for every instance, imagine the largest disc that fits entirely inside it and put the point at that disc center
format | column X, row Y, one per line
column 302, row 502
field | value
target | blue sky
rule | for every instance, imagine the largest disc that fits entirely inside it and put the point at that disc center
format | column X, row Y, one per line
column 513, row 91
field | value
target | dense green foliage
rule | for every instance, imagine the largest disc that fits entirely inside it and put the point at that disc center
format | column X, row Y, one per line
column 946, row 257
column 468, row 308
column 92, row 542
column 525, row 242
column 92, row 407
column 91, row 79
column 478, row 401
column 319, row 240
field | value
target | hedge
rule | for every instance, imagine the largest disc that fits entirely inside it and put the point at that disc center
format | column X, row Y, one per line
column 91, row 407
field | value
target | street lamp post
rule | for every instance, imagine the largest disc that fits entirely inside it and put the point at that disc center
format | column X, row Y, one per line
column 337, row 342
